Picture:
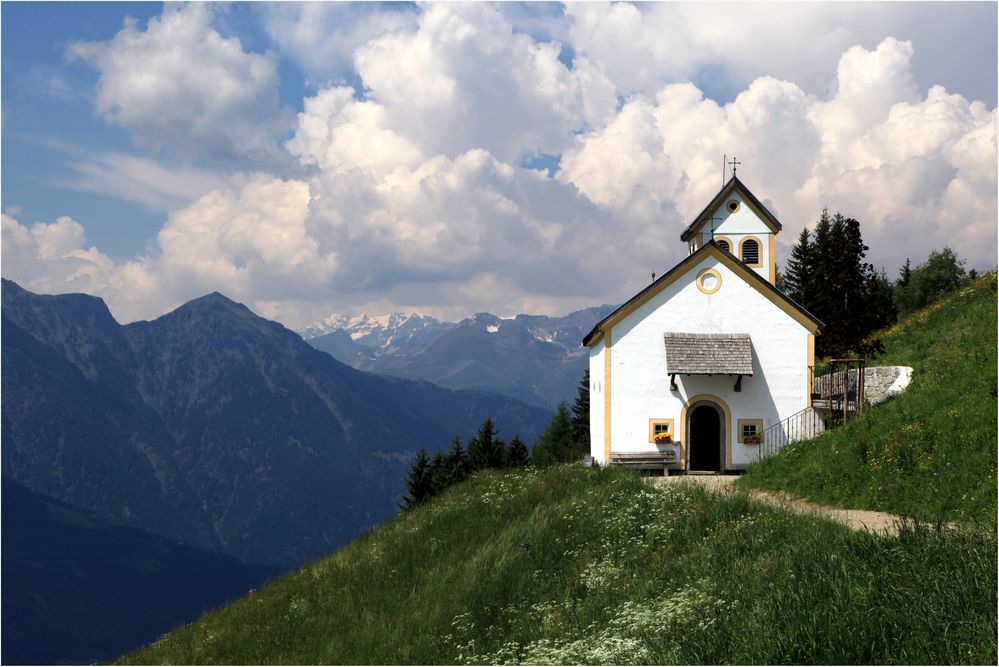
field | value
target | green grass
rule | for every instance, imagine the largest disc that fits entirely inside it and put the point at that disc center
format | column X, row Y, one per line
column 929, row 453
column 569, row 565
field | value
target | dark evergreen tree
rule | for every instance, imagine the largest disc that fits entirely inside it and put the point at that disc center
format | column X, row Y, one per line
column 827, row 274
column 780, row 280
column 581, row 412
column 904, row 275
column 476, row 460
column 440, row 476
column 457, row 462
column 822, row 267
column 881, row 311
column 485, row 450
column 419, row 485
column 517, row 455
column 556, row 444
column 799, row 277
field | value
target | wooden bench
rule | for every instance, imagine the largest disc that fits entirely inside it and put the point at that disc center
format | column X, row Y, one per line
column 645, row 460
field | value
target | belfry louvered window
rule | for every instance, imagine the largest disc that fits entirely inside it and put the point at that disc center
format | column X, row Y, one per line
column 750, row 251
column 724, row 245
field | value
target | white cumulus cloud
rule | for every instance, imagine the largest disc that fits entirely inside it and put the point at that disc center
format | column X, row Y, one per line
column 180, row 85
column 406, row 191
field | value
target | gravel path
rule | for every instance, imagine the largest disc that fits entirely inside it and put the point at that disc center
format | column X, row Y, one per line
column 869, row 520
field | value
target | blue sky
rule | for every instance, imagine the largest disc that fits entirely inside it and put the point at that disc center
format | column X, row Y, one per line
column 458, row 158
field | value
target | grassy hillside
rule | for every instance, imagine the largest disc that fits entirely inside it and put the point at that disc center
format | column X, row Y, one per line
column 930, row 452
column 570, row 565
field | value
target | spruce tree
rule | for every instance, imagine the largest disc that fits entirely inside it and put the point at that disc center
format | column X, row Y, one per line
column 581, row 412
column 904, row 274
column 440, row 476
column 800, row 274
column 419, row 484
column 457, row 461
column 475, row 458
column 485, row 450
column 822, row 269
column 556, row 444
column 517, row 455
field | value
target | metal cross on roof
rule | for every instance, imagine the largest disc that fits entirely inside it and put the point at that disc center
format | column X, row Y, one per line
column 733, row 163
column 712, row 220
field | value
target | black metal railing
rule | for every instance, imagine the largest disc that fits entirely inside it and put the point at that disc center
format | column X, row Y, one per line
column 802, row 425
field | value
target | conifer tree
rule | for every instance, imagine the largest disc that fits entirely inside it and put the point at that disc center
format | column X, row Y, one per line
column 440, row 476
column 827, row 274
column 485, row 450
column 457, row 461
column 475, row 458
column 556, row 444
column 517, row 455
column 904, row 275
column 419, row 484
column 822, row 268
column 799, row 276
column 581, row 412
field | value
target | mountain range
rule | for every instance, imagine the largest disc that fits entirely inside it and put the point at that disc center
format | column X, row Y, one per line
column 214, row 427
column 535, row 358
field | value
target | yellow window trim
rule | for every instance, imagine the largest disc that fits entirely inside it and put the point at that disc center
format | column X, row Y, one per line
column 719, row 239
column 683, row 427
column 708, row 272
column 728, row 206
column 661, row 422
column 811, row 364
column 773, row 258
column 759, row 252
column 748, row 422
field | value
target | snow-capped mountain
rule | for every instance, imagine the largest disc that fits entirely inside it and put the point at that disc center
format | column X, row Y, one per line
column 383, row 334
column 536, row 358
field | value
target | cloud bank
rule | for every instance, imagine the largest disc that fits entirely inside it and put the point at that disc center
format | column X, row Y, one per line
column 410, row 192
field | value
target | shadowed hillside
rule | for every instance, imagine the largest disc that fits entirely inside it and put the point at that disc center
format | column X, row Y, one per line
column 79, row 590
column 215, row 427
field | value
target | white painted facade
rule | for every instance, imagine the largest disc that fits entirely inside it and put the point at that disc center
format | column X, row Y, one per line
column 636, row 375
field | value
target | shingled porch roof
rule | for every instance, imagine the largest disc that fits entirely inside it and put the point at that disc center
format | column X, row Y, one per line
column 708, row 354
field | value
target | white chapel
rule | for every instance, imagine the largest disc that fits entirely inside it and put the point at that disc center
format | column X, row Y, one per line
column 692, row 369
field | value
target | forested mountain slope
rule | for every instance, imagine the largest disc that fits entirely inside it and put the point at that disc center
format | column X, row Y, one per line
column 215, row 427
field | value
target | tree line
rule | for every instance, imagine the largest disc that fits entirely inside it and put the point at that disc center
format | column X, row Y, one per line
column 827, row 275
column 566, row 439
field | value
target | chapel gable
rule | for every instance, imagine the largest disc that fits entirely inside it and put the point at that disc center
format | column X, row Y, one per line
column 741, row 225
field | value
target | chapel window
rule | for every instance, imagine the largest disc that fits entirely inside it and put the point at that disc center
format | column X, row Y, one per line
column 750, row 251
column 661, row 431
column 750, row 431
column 724, row 245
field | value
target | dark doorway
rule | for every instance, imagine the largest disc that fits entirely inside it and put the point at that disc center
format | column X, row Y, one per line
column 705, row 438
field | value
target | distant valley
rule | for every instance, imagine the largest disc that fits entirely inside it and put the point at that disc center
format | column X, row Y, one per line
column 81, row 590
column 534, row 358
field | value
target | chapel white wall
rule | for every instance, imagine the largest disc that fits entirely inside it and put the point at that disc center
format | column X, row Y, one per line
column 597, row 401
column 640, row 383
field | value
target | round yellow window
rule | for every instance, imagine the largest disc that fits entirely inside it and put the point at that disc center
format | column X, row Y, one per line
column 709, row 281
column 733, row 206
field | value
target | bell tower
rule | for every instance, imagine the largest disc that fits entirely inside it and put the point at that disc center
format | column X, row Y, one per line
column 739, row 224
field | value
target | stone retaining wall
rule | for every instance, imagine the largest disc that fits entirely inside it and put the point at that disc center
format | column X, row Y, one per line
column 880, row 383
